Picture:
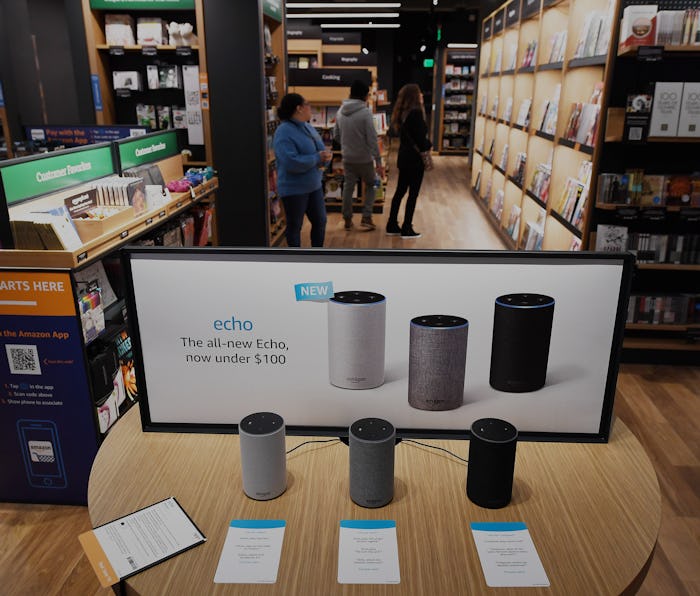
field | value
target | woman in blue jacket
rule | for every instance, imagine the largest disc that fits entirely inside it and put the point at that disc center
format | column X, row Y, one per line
column 300, row 156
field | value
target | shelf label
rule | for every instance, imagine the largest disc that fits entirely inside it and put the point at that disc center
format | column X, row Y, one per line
column 499, row 21
column 303, row 31
column 178, row 204
column 124, row 234
column 327, row 77
column 343, row 59
column 142, row 4
column 55, row 172
column 512, row 13
column 147, row 149
column 121, row 92
column 116, row 50
column 488, row 27
column 149, row 50
column 82, row 257
column 149, row 221
column 653, row 214
column 340, row 39
column 96, row 93
column 161, row 214
column 690, row 214
column 183, row 51
column 79, row 136
column 650, row 53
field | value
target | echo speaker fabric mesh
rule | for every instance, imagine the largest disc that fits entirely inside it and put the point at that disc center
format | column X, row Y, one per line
column 263, row 455
column 437, row 362
column 356, row 339
column 522, row 328
column 371, row 446
column 491, row 462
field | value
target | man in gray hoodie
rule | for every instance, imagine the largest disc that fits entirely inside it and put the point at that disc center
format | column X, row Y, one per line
column 354, row 130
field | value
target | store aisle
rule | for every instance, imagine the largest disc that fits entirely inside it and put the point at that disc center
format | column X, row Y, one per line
column 446, row 215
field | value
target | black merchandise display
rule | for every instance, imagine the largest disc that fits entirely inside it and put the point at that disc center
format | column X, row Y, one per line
column 522, row 329
column 491, row 462
column 437, row 362
column 263, row 457
column 372, row 442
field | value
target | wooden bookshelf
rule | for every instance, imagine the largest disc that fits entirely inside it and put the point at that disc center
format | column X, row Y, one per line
column 520, row 64
column 103, row 59
column 455, row 118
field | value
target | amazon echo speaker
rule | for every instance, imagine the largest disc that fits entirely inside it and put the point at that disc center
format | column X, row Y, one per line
column 263, row 457
column 372, row 442
column 491, row 462
column 522, row 328
column 436, row 362
column 356, row 337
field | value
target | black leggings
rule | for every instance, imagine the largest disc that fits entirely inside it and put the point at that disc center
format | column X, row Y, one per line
column 409, row 179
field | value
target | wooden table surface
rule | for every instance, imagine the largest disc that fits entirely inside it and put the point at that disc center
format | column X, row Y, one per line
column 593, row 511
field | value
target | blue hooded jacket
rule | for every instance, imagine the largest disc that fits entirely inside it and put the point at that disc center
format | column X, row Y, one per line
column 297, row 146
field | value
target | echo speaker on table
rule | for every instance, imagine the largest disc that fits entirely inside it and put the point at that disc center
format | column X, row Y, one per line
column 491, row 462
column 437, row 361
column 263, row 455
column 356, row 339
column 522, row 329
column 371, row 443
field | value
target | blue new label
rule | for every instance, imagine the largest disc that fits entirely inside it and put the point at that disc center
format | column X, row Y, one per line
column 96, row 95
column 316, row 292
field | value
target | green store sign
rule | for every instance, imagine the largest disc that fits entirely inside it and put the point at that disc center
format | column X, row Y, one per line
column 147, row 149
column 273, row 9
column 142, row 4
column 50, row 174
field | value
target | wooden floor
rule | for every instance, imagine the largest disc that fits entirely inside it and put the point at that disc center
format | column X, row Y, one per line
column 39, row 549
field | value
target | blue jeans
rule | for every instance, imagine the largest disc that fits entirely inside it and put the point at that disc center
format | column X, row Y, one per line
column 311, row 204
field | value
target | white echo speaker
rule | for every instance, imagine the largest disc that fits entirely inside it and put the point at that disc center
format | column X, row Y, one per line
column 371, row 442
column 356, row 339
column 263, row 456
column 436, row 362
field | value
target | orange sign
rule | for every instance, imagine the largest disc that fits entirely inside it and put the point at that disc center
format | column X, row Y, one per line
column 36, row 294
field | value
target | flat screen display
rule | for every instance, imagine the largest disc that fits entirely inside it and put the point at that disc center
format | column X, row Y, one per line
column 326, row 337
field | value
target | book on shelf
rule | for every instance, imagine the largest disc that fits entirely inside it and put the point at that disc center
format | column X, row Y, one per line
column 637, row 117
column 497, row 62
column 494, row 107
column 678, row 27
column 482, row 105
column 595, row 34
column 548, row 124
column 449, row 69
column 523, row 118
column 653, row 191
column 679, row 190
column 504, row 157
column 666, row 109
column 612, row 189
column 534, row 232
column 318, row 116
column 530, row 55
column 519, row 169
column 557, row 47
column 492, row 148
column 512, row 57
column 611, row 238
column 508, row 110
column 487, row 190
column 689, row 119
column 575, row 243
column 638, row 26
column 539, row 185
column 513, row 225
column 119, row 30
column 672, row 309
column 497, row 205
column 477, row 183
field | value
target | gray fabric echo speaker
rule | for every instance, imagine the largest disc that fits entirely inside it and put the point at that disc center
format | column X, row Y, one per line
column 356, row 339
column 437, row 361
column 491, row 462
column 263, row 457
column 372, row 442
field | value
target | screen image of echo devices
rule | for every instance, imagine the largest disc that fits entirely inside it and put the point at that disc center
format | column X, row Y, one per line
column 41, row 452
column 429, row 341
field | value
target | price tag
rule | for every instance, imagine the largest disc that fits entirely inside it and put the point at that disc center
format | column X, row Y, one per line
column 161, row 214
column 183, row 51
column 124, row 234
column 149, row 50
column 149, row 221
column 116, row 50
column 650, row 53
column 123, row 92
column 82, row 256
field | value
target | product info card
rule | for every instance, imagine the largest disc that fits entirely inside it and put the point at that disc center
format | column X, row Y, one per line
column 368, row 552
column 508, row 555
column 251, row 553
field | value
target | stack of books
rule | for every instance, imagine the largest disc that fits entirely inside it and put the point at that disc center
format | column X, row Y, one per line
column 550, row 111
column 530, row 55
column 557, row 47
column 583, row 120
column 595, row 35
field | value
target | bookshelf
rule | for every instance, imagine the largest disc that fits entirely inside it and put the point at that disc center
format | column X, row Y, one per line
column 456, row 101
column 6, row 149
column 542, row 84
column 274, row 41
column 647, row 202
column 175, row 93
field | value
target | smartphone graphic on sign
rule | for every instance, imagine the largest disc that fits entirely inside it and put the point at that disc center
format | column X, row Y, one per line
column 42, row 453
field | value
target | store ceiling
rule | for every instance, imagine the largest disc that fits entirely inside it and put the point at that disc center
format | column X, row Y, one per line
column 413, row 5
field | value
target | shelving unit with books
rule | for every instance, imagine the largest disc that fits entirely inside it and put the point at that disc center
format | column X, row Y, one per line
column 6, row 150
column 543, row 116
column 74, row 210
column 148, row 66
column 274, row 60
column 456, row 101
column 648, row 188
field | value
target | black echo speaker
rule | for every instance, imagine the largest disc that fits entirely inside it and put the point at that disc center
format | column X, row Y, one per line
column 263, row 455
column 371, row 442
column 522, row 328
column 436, row 362
column 491, row 462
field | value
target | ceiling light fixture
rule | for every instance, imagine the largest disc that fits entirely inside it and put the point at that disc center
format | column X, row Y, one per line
column 360, row 25
column 462, row 45
column 343, row 15
column 365, row 51
column 422, row 48
column 343, row 5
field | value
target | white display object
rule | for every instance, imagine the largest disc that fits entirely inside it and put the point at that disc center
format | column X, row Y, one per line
column 193, row 104
column 689, row 121
column 666, row 109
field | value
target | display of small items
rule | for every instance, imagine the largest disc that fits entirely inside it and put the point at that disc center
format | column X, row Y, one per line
column 91, row 314
column 193, row 177
column 150, row 31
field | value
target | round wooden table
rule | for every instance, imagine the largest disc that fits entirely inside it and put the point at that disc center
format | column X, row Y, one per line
column 593, row 511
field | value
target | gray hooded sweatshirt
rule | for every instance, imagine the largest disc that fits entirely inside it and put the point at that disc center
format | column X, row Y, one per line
column 354, row 130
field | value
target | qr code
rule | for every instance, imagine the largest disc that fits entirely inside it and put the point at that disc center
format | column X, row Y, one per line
column 635, row 133
column 23, row 359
